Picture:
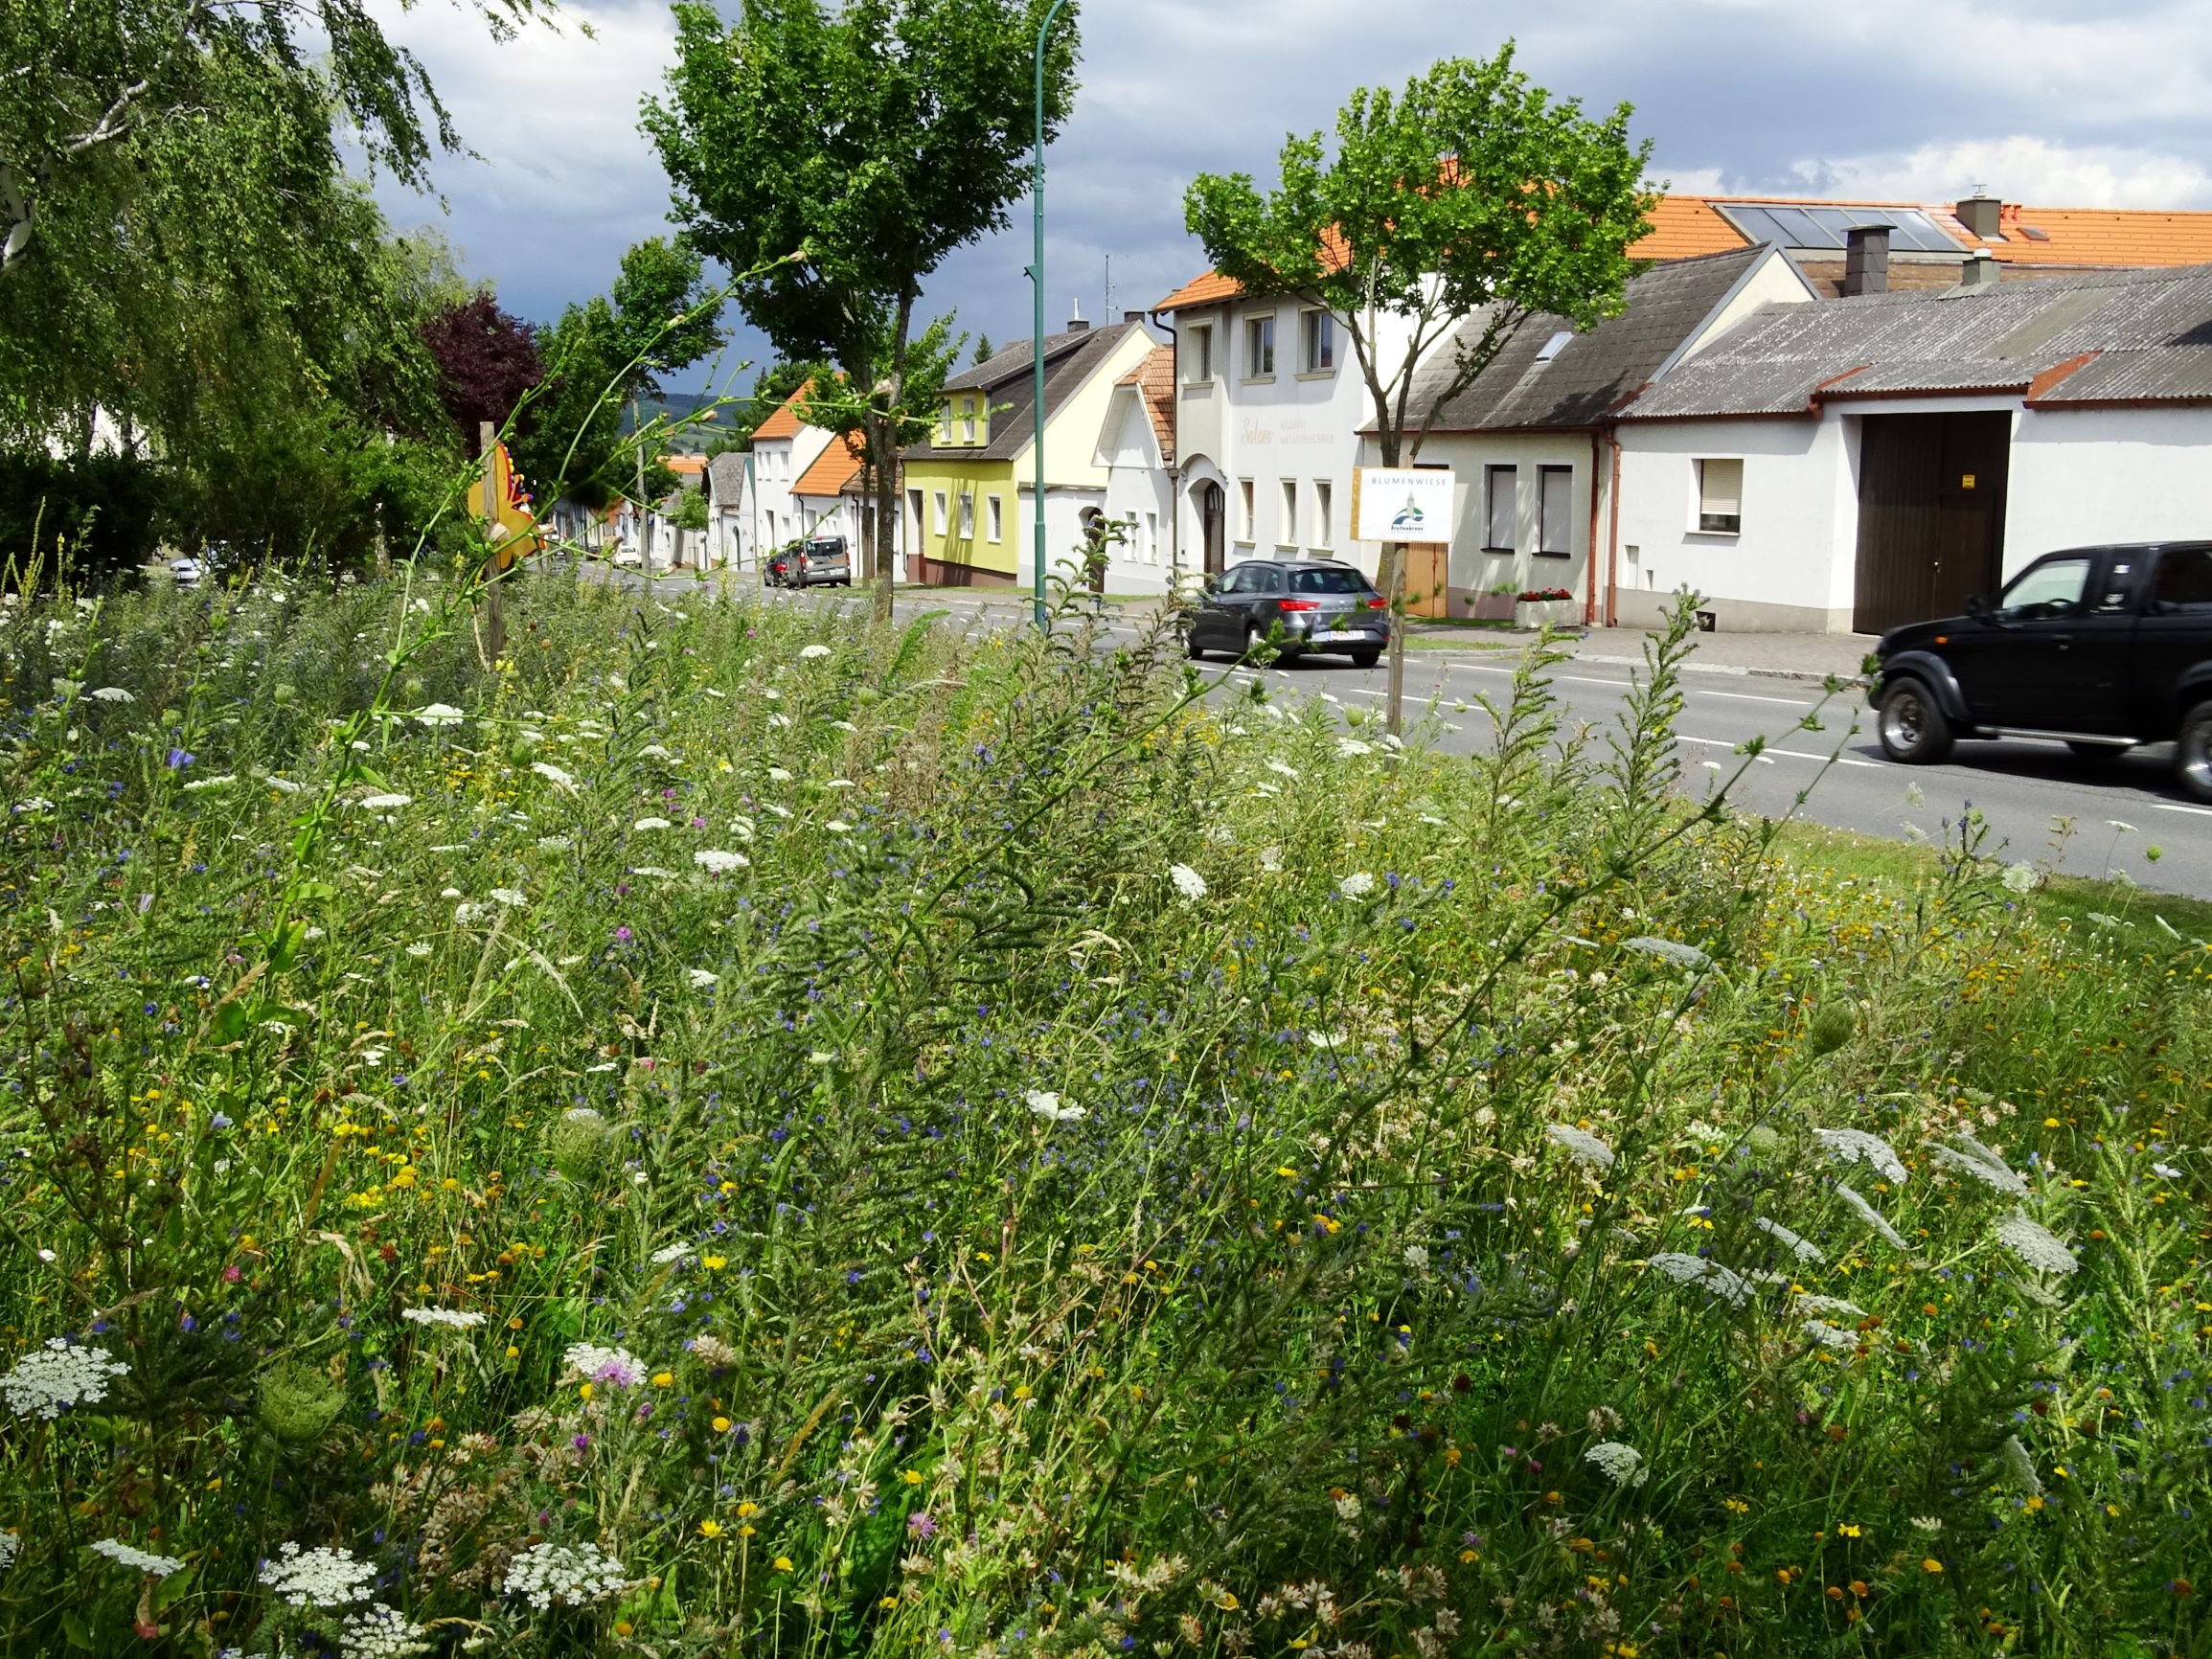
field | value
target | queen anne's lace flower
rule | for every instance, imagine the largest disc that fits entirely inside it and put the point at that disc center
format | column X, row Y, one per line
column 1830, row 1336
column 1984, row 1164
column 1869, row 1215
column 1809, row 1302
column 380, row 1632
column 1050, row 1108
column 451, row 1318
column 126, row 1555
column 111, row 694
column 1621, row 1464
column 513, row 898
column 669, row 1253
column 319, row 1578
column 2020, row 878
column 1686, row 955
column 386, row 803
column 2035, row 1244
column 1722, row 1282
column 593, row 1363
column 49, row 1380
column 552, row 774
column 1356, row 885
column 653, row 823
column 1805, row 1249
column 1188, row 881
column 564, row 1575
column 718, row 862
column 1586, row 1147
column 813, row 650
column 1858, row 1146
column 439, row 715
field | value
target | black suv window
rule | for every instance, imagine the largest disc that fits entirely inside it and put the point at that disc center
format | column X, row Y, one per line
column 1327, row 582
column 2047, row 590
column 2184, row 579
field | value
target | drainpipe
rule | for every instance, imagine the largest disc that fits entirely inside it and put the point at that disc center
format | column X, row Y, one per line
column 1590, row 558
column 1613, row 535
column 1175, row 468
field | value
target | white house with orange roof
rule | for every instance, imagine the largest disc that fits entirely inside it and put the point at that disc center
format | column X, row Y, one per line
column 1136, row 449
column 784, row 448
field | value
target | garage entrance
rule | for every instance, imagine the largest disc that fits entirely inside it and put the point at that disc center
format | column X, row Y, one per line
column 1931, row 515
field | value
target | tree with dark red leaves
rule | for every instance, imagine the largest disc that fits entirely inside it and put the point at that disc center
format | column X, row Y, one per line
column 486, row 360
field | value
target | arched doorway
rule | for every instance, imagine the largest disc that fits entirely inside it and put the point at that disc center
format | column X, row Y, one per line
column 1212, row 516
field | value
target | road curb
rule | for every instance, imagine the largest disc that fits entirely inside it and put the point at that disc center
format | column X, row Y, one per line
column 1733, row 671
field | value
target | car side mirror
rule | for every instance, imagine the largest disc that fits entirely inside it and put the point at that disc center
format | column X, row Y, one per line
column 1976, row 606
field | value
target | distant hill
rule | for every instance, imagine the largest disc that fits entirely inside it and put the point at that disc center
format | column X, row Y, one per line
column 675, row 405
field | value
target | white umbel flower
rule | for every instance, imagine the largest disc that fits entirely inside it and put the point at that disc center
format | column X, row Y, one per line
column 1869, row 1215
column 716, row 862
column 513, row 898
column 653, row 823
column 49, row 1380
column 1858, row 1146
column 563, row 1574
column 813, row 650
column 2035, row 1244
column 2019, row 1467
column 1725, row 1283
column 450, row 1318
column 1809, row 1302
column 1830, row 1336
column 1585, row 1148
column 319, row 1578
column 111, row 694
column 1050, row 1107
column 667, row 1253
column 552, row 774
column 438, row 714
column 2020, row 878
column 385, row 803
column 1804, row 1248
column 702, row 979
column 1984, row 1164
column 1188, row 881
column 1621, row 1464
column 1356, row 885
column 126, row 1555
column 592, row 1363
column 380, row 1632
column 1684, row 955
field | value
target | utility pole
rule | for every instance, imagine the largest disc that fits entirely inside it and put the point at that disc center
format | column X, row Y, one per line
column 644, row 523
column 1037, row 319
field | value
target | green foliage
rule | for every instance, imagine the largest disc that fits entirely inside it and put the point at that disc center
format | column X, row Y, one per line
column 1049, row 1155
column 1471, row 189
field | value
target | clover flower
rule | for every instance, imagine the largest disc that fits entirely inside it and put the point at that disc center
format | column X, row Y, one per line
column 2035, row 1244
column 1984, row 1164
column 1586, row 1147
column 124, row 1554
column 716, row 862
column 564, row 1575
column 593, row 1363
column 1188, row 881
column 1858, row 1146
column 380, row 1632
column 1048, row 1106
column 1869, row 1215
column 1621, row 1464
column 1725, row 1283
column 1684, row 955
column 1806, row 1250
column 59, row 1377
column 319, row 1578
column 451, row 1318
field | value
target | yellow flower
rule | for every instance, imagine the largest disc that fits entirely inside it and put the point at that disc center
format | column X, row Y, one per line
column 721, row 1426
column 782, row 1564
column 715, row 1263
column 1023, row 1392
column 663, row 1379
column 1847, row 1529
column 583, row 1390
column 912, row 1477
column 744, row 1509
column 1932, row 1565
column 710, row 1529
column 623, row 1627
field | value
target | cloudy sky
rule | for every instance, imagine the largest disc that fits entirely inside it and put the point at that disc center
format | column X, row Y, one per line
column 2054, row 103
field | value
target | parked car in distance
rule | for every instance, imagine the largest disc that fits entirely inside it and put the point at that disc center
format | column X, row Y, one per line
column 823, row 561
column 1319, row 604
column 775, row 569
column 2099, row 648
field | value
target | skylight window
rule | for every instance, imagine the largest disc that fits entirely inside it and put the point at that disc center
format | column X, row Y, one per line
column 1551, row 347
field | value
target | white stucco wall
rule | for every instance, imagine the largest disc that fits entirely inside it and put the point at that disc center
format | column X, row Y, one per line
column 1772, row 281
column 1475, row 570
column 1793, row 565
column 778, row 463
column 2080, row 477
column 1140, row 493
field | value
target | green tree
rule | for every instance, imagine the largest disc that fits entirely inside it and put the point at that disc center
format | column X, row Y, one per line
column 1472, row 193
column 858, row 145
column 985, row 351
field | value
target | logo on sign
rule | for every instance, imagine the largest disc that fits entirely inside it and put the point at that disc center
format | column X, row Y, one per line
column 1408, row 517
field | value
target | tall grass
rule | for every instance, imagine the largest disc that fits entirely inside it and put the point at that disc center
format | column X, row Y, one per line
column 743, row 1131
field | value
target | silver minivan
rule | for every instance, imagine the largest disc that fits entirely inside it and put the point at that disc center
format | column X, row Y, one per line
column 822, row 561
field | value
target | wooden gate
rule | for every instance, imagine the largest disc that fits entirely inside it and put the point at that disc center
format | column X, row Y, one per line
column 1427, row 589
column 1931, row 515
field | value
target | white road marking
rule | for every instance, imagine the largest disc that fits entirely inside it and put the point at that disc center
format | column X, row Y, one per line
column 2170, row 807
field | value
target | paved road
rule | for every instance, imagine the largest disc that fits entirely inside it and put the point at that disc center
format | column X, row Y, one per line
column 2117, row 810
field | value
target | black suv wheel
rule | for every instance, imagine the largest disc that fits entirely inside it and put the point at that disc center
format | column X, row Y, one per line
column 1911, row 726
column 2192, row 752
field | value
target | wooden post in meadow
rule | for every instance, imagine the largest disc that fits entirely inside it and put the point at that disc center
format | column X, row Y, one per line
column 494, row 609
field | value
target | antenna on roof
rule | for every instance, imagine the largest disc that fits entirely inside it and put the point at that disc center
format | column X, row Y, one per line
column 1109, row 274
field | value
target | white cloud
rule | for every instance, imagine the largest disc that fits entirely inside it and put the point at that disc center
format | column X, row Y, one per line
column 2020, row 169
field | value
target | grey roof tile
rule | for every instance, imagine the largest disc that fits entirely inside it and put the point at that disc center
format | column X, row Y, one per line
column 1008, row 384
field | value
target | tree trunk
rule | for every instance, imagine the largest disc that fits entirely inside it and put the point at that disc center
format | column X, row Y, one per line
column 886, row 456
column 1392, row 582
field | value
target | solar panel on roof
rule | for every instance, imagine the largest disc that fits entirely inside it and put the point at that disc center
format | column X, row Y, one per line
column 1802, row 230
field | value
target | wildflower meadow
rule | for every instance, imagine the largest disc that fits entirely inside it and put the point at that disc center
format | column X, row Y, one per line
column 739, row 1131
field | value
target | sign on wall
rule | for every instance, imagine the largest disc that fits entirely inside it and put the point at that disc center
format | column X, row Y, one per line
column 1401, row 504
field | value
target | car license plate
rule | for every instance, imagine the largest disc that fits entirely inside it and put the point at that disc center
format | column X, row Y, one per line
column 1336, row 636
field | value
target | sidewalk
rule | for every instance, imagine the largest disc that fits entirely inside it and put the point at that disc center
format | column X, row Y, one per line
column 1783, row 656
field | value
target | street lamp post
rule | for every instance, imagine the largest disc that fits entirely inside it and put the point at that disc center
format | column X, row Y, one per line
column 1037, row 319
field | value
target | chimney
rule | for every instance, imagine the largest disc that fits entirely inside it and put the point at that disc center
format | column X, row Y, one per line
column 1980, row 271
column 1980, row 214
column 1133, row 316
column 1866, row 260
column 1074, row 322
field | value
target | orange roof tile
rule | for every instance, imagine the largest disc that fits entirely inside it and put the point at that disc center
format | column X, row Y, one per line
column 784, row 421
column 2101, row 236
column 685, row 465
column 1213, row 287
column 1154, row 379
column 833, row 470
column 1684, row 227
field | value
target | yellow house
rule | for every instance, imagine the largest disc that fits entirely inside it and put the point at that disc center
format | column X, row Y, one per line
column 969, row 511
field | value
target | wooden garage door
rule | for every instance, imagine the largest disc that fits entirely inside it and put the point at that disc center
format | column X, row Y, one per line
column 1931, row 510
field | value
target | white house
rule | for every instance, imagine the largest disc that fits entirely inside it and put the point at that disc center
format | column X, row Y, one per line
column 729, row 519
column 784, row 448
column 1136, row 447
column 1855, row 464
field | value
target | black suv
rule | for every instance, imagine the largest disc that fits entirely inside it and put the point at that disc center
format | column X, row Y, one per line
column 1320, row 603
column 2100, row 648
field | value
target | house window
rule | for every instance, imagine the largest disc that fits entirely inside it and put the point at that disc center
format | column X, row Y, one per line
column 1316, row 343
column 968, row 516
column 1502, row 487
column 1201, row 363
column 995, row 515
column 1244, row 524
column 1286, row 531
column 940, row 514
column 1555, row 537
column 968, row 420
column 1721, row 496
column 1259, row 348
column 1152, row 538
column 914, row 507
column 945, row 422
column 1323, row 531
